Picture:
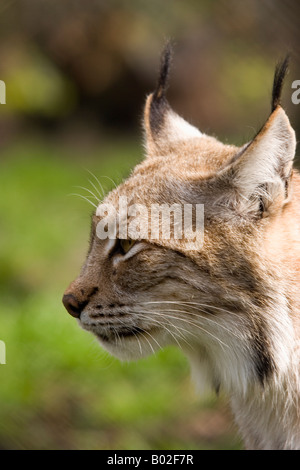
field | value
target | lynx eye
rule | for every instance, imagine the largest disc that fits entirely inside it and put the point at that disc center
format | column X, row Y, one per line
column 126, row 244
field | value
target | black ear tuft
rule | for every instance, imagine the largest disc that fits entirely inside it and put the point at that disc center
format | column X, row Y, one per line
column 159, row 104
column 164, row 72
column 280, row 73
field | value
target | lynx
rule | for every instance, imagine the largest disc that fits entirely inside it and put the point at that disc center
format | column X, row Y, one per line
column 232, row 305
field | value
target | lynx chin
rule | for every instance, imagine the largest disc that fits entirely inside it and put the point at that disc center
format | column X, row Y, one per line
column 233, row 305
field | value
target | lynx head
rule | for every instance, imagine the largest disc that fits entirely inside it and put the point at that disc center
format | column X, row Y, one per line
column 222, row 300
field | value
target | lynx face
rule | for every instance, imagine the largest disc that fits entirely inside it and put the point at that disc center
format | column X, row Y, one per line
column 224, row 304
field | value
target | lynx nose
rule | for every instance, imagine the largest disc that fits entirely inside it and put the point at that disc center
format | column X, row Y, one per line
column 72, row 305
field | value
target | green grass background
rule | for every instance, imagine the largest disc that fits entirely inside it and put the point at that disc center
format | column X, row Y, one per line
column 58, row 389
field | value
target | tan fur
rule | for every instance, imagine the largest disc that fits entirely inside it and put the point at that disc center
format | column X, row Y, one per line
column 233, row 305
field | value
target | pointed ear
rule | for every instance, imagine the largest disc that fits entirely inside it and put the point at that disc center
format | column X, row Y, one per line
column 162, row 125
column 262, row 172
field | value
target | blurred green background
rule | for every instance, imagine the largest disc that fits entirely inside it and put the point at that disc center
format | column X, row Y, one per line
column 77, row 74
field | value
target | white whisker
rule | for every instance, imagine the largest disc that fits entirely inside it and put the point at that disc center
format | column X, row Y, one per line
column 205, row 318
column 97, row 181
column 178, row 318
column 89, row 191
column 101, row 195
column 168, row 330
column 151, row 347
column 138, row 340
column 110, row 179
column 83, row 197
column 194, row 305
